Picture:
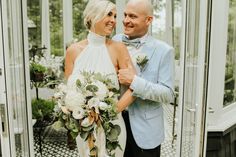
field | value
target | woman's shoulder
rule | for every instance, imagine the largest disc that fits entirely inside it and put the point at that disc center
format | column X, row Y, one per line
column 75, row 48
column 117, row 45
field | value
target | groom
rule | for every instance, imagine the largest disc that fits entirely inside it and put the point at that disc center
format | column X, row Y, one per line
column 153, row 84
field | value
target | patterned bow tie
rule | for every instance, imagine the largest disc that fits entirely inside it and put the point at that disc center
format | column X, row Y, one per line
column 135, row 42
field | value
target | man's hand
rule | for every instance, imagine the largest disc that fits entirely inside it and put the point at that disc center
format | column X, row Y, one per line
column 126, row 76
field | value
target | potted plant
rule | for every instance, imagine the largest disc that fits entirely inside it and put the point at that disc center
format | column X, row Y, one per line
column 37, row 72
column 42, row 110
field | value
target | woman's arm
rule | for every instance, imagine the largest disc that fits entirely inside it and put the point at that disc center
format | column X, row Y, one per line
column 124, row 62
column 69, row 61
column 125, row 100
column 72, row 53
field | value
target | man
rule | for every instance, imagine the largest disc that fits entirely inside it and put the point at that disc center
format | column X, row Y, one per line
column 153, row 84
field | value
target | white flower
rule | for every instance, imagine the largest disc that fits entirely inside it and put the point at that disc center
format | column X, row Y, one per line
column 78, row 113
column 102, row 90
column 110, row 94
column 94, row 102
column 103, row 106
column 62, row 87
column 74, row 99
column 141, row 60
column 86, row 122
column 58, row 95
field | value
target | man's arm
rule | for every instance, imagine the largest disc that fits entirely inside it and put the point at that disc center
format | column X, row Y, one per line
column 162, row 91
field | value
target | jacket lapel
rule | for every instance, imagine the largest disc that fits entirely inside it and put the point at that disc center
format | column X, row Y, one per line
column 149, row 50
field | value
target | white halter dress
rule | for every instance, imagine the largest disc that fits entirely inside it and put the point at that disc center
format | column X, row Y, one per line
column 95, row 58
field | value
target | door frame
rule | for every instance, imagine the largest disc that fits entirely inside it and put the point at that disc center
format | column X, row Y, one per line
column 5, row 139
column 22, row 33
column 202, row 77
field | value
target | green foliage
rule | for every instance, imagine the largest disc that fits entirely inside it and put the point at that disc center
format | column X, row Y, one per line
column 33, row 13
column 79, row 30
column 229, row 91
column 37, row 68
column 42, row 109
column 37, row 72
column 56, row 27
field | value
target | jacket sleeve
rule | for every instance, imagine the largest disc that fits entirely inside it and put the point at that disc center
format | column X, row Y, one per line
column 161, row 91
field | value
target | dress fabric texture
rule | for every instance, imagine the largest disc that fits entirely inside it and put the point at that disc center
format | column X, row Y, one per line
column 95, row 58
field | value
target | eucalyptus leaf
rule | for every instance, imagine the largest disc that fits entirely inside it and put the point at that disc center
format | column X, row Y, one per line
column 113, row 135
column 88, row 128
column 78, row 83
column 57, row 125
column 84, row 135
column 92, row 88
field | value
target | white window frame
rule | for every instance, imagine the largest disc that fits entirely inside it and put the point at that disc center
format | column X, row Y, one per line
column 220, row 117
column 67, row 22
column 45, row 25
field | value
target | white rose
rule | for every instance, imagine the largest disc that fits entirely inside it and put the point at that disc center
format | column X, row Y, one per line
column 74, row 99
column 78, row 113
column 102, row 90
column 62, row 87
column 58, row 95
column 94, row 102
column 110, row 94
column 103, row 106
column 86, row 122
column 140, row 58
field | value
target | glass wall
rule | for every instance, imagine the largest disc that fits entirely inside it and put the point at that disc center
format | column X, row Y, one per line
column 56, row 27
column 34, row 23
column 230, row 71
column 15, row 59
column 79, row 30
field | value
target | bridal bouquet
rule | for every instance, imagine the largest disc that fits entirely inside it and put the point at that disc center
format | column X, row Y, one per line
column 86, row 106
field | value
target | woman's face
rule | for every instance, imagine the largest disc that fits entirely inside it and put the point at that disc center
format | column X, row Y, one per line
column 106, row 25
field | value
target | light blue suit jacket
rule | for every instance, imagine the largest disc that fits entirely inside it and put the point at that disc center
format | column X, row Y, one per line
column 153, row 88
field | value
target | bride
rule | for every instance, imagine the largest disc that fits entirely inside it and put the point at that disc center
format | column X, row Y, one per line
column 97, row 53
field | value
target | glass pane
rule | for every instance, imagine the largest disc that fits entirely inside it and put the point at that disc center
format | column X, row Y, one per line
column 230, row 71
column 79, row 30
column 56, row 27
column 177, row 10
column 34, row 23
column 190, row 80
column 159, row 23
column 17, row 78
column 160, row 32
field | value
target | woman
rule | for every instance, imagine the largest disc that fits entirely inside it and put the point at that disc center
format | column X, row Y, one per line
column 99, row 54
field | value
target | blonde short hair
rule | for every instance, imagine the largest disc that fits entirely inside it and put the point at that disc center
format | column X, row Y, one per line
column 96, row 10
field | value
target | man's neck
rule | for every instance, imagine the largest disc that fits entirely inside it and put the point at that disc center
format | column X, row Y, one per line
column 135, row 37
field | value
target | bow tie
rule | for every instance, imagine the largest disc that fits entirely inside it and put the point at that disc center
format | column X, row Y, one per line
column 135, row 42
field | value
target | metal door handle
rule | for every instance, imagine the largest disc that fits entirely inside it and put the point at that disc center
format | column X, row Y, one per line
column 191, row 109
column 3, row 118
column 210, row 110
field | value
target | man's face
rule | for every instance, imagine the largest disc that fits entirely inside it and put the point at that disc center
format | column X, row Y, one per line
column 136, row 21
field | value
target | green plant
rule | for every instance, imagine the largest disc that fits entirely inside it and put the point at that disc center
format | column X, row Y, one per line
column 229, row 84
column 37, row 68
column 37, row 72
column 42, row 109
